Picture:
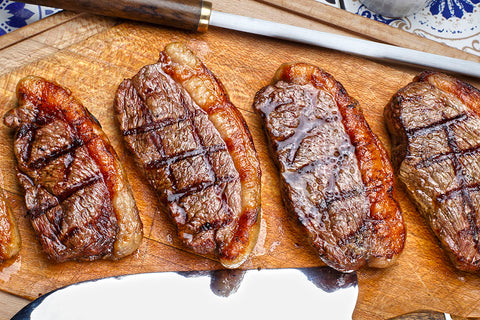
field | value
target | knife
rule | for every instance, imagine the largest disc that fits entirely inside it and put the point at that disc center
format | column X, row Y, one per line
column 305, row 293
column 197, row 15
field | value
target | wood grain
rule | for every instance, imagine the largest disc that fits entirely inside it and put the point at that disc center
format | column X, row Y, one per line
column 92, row 68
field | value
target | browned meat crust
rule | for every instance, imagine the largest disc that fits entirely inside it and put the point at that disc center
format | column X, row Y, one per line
column 76, row 191
column 10, row 242
column 335, row 174
column 434, row 123
column 196, row 151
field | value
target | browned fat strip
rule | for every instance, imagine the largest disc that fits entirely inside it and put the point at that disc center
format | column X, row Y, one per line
column 336, row 177
column 10, row 241
column 197, row 153
column 434, row 123
column 76, row 191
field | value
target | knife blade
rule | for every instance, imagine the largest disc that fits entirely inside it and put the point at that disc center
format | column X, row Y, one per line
column 198, row 15
column 254, row 294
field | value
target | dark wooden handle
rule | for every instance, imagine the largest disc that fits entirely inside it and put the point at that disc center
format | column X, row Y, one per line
column 427, row 315
column 185, row 14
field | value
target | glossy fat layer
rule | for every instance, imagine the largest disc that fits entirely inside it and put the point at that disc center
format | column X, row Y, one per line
column 196, row 151
column 76, row 191
column 10, row 242
column 336, row 176
column 435, row 127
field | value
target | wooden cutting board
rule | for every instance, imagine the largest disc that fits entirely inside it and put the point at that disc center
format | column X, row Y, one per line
column 92, row 67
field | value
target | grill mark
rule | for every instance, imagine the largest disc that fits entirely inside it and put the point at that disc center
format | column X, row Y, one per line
column 463, row 189
column 42, row 162
column 29, row 129
column 169, row 160
column 29, row 133
column 201, row 150
column 77, row 187
column 156, row 138
column 446, row 156
column 69, row 234
column 38, row 211
column 342, row 156
column 458, row 192
column 151, row 126
column 303, row 129
column 207, row 151
column 175, row 197
column 435, row 125
column 331, row 197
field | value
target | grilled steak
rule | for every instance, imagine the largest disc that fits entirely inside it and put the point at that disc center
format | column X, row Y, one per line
column 196, row 151
column 335, row 174
column 76, row 191
column 9, row 236
column 434, row 123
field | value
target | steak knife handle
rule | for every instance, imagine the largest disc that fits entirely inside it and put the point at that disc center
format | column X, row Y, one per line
column 429, row 315
column 185, row 14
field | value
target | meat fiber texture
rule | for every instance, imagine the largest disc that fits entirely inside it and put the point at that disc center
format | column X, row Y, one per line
column 335, row 174
column 76, row 191
column 196, row 151
column 434, row 123
column 10, row 241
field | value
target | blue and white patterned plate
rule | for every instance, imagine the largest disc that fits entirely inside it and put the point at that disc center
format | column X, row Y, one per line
column 453, row 22
column 14, row 15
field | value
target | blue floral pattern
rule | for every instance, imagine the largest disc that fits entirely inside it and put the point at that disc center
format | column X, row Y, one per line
column 14, row 15
column 364, row 12
column 18, row 14
column 452, row 8
column 453, row 22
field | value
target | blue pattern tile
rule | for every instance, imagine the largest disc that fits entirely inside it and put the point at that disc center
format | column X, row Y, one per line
column 14, row 15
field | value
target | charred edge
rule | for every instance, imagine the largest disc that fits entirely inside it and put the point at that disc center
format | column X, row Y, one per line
column 92, row 117
column 396, row 131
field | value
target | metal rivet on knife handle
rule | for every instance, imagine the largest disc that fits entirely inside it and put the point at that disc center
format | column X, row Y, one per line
column 185, row 14
column 205, row 13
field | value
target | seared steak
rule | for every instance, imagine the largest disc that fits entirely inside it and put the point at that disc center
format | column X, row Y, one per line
column 76, row 191
column 434, row 123
column 196, row 151
column 335, row 174
column 9, row 236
